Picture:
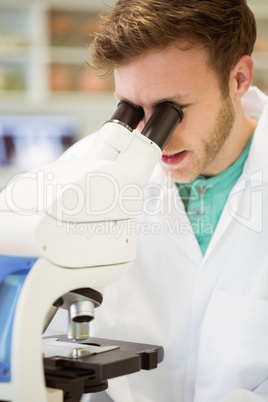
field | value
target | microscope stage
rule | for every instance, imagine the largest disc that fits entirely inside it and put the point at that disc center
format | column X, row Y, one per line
column 85, row 367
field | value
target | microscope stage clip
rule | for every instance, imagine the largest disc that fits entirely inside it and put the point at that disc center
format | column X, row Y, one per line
column 52, row 347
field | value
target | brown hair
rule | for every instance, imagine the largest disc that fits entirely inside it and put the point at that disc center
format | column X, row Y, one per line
column 226, row 27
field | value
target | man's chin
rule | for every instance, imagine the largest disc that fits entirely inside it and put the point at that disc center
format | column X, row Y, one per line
column 179, row 175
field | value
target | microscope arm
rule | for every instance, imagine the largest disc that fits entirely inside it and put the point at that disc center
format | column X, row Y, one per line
column 51, row 205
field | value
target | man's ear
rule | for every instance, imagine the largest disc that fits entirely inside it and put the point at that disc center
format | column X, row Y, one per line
column 241, row 76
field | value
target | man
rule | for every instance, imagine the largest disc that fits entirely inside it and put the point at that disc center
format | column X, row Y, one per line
column 199, row 284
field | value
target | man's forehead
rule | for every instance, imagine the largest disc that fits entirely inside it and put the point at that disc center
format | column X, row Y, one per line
column 169, row 74
column 182, row 47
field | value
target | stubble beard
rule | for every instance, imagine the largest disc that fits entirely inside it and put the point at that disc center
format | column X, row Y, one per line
column 211, row 146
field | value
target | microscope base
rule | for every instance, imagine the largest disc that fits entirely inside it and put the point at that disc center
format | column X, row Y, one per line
column 78, row 373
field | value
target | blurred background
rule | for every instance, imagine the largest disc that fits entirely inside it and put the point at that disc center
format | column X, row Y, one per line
column 49, row 98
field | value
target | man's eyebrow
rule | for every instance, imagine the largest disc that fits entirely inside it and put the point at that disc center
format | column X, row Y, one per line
column 122, row 98
column 177, row 99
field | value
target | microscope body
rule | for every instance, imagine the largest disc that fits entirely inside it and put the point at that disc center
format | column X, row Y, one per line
column 73, row 222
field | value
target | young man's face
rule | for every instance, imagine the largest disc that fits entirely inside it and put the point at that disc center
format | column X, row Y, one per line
column 183, row 77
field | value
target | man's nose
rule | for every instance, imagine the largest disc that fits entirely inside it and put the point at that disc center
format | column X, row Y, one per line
column 147, row 115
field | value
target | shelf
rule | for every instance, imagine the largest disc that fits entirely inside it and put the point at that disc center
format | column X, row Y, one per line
column 260, row 10
column 15, row 25
column 71, row 55
column 63, row 4
column 261, row 61
column 28, row 141
column 43, row 50
column 92, row 110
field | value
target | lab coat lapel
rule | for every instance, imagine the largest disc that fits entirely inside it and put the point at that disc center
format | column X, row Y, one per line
column 175, row 222
column 255, row 174
column 245, row 200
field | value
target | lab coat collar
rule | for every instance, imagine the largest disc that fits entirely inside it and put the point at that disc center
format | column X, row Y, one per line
column 173, row 218
column 255, row 174
column 257, row 161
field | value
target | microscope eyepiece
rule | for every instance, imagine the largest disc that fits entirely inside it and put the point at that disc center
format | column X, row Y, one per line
column 128, row 115
column 164, row 120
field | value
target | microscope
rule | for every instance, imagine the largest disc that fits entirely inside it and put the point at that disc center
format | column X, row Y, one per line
column 58, row 249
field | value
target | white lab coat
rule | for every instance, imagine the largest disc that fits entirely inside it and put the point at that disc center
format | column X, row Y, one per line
column 209, row 313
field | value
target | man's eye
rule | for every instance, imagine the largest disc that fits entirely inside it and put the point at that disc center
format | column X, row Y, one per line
column 183, row 106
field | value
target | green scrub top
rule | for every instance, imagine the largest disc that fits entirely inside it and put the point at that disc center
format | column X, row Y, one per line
column 204, row 199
